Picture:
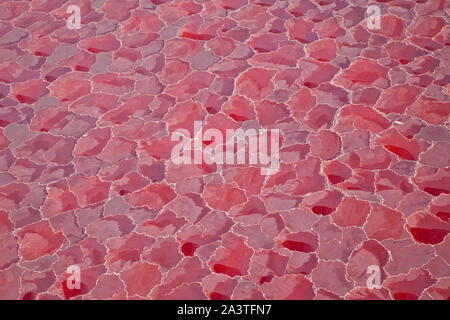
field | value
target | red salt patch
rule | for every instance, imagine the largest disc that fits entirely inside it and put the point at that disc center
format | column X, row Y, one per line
column 59, row 199
column 189, row 248
column 239, row 108
column 266, row 264
column 177, row 173
column 103, row 43
column 368, row 294
column 409, row 286
column 72, row 293
column 7, row 116
column 30, row 91
column 79, row 61
column 41, row 47
column 316, row 72
column 323, row 202
column 427, row 229
column 403, row 53
column 11, row 72
column 402, row 147
column 130, row 182
column 405, row 254
column 180, row 48
column 232, row 258
column 218, row 287
column 440, row 290
column 336, row 171
column 390, row 186
column 367, row 158
column 109, row 286
column 5, row 224
column 302, row 242
column 358, row 184
column 139, row 39
column 47, row 119
column 362, row 180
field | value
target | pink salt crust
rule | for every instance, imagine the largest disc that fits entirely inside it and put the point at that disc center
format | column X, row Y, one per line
column 85, row 171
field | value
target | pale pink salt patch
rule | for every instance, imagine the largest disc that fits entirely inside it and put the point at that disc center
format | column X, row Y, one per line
column 88, row 190
column 29, row 91
column 232, row 258
column 140, row 278
column 255, row 83
column 223, row 196
column 38, row 239
column 361, row 74
column 289, row 287
column 384, row 223
column 154, row 196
